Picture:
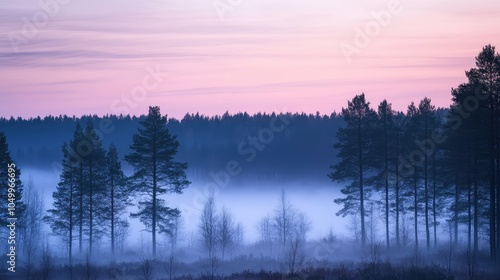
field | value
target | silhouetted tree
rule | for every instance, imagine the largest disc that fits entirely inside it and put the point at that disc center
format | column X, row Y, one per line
column 384, row 157
column 473, row 152
column 487, row 75
column 75, row 152
column 415, row 158
column 156, row 173
column 426, row 112
column 10, row 176
column 399, row 122
column 353, row 147
column 94, row 162
column 63, row 215
column 119, row 194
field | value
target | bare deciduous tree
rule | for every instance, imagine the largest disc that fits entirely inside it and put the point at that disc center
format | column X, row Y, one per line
column 290, row 227
column 295, row 254
column 31, row 227
column 284, row 215
column 208, row 233
column 226, row 232
column 265, row 229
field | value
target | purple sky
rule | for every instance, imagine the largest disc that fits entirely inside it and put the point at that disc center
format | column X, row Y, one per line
column 94, row 57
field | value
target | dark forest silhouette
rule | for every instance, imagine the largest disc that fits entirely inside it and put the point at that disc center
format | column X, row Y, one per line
column 207, row 143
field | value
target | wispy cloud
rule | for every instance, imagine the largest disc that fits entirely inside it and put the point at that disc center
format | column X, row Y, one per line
column 262, row 54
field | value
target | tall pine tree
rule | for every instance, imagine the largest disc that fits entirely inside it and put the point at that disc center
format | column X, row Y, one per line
column 384, row 158
column 118, row 193
column 63, row 217
column 156, row 173
column 353, row 147
column 94, row 165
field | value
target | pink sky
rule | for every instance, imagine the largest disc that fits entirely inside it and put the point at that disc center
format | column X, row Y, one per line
column 261, row 56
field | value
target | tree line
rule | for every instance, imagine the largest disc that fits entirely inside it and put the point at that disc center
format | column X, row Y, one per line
column 426, row 166
column 207, row 142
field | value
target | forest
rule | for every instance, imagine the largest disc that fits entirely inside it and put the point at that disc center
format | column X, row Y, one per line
column 420, row 190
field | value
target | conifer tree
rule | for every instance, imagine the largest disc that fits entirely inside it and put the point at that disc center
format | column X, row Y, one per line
column 118, row 193
column 10, row 178
column 353, row 147
column 156, row 173
column 63, row 216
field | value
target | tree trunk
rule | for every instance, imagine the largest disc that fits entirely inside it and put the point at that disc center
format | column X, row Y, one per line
column 153, row 225
column 469, row 216
column 496, row 223
column 112, row 215
column 434, row 194
column 426, row 190
column 492, row 181
column 415, row 204
column 476, row 210
column 91, row 214
column 361, row 190
column 70, row 249
column 386, row 159
column 80, row 212
column 397, row 192
column 455, row 211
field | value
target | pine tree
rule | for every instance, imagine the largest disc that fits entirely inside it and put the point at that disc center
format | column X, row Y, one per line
column 474, row 125
column 75, row 151
column 384, row 158
column 426, row 112
column 63, row 217
column 118, row 194
column 94, row 183
column 81, row 183
column 399, row 126
column 415, row 159
column 487, row 75
column 353, row 147
column 156, row 172
column 439, row 185
column 10, row 176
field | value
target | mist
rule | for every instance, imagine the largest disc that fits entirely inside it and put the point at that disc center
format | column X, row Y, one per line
column 247, row 202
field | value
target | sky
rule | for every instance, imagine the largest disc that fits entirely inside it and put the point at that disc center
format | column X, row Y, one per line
column 121, row 56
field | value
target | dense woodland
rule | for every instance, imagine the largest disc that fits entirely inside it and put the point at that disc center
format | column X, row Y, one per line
column 429, row 176
column 207, row 143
